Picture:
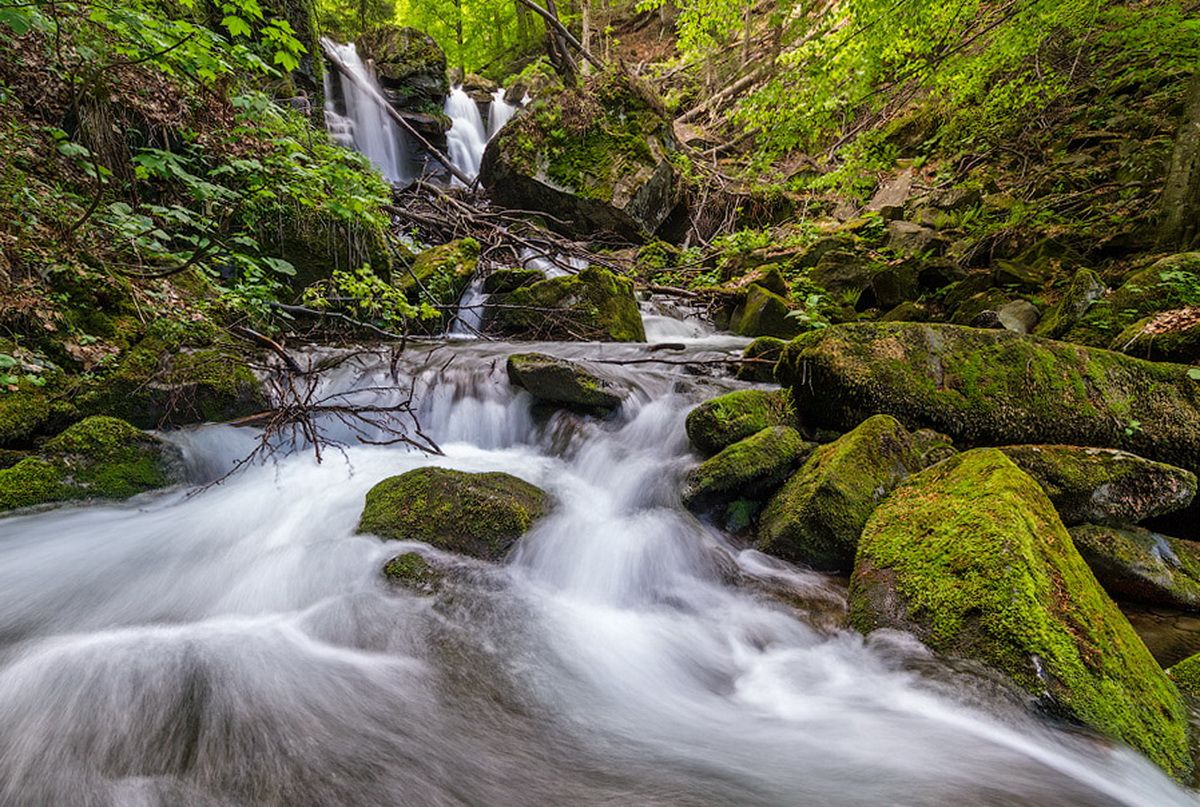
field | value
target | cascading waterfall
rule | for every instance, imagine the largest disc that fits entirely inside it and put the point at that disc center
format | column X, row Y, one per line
column 467, row 138
column 374, row 133
column 468, row 318
column 499, row 113
column 240, row 646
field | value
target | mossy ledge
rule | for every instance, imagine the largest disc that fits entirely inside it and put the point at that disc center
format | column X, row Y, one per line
column 970, row 557
column 722, row 421
column 477, row 514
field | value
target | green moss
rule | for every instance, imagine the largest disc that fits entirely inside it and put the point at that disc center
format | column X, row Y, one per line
column 477, row 514
column 1168, row 336
column 722, row 421
column 1084, row 290
column 762, row 349
column 559, row 381
column 30, row 482
column 592, row 305
column 1143, row 566
column 1172, row 282
column 750, row 468
column 994, row 387
column 505, row 280
column 1186, row 675
column 817, row 516
column 413, row 571
column 443, row 271
column 764, row 313
column 970, row 556
column 22, row 414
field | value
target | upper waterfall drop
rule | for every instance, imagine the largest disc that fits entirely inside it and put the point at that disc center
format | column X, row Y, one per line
column 365, row 123
column 467, row 138
column 499, row 113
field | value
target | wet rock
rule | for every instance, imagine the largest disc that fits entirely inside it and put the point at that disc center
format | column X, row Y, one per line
column 96, row 458
column 1085, row 288
column 1143, row 566
column 764, row 313
column 993, row 387
column 818, row 514
column 762, row 349
column 971, row 558
column 414, row 572
column 592, row 305
column 409, row 64
column 750, row 468
column 477, row 514
column 503, row 281
column 440, row 274
column 596, row 158
column 1104, row 485
column 722, row 421
column 558, row 381
column 1019, row 316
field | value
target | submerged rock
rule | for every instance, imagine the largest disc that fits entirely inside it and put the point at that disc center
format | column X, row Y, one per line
column 413, row 571
column 559, row 381
column 818, row 514
column 722, row 421
column 592, row 305
column 994, row 387
column 751, row 468
column 97, row 458
column 1104, row 485
column 477, row 514
column 597, row 158
column 970, row 557
column 1143, row 566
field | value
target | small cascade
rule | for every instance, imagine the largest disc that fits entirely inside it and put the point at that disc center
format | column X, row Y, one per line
column 531, row 259
column 365, row 123
column 340, row 128
column 466, row 139
column 499, row 113
column 468, row 320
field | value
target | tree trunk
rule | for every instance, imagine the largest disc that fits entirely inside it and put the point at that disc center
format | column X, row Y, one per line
column 585, row 8
column 1179, row 225
column 458, row 31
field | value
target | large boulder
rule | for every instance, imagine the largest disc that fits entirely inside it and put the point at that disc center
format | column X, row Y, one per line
column 971, row 558
column 558, row 381
column 818, row 514
column 477, row 514
column 592, row 305
column 96, row 458
column 1104, row 485
column 1170, row 283
column 1085, row 288
column 410, row 66
column 749, row 469
column 597, row 158
column 764, row 313
column 722, row 421
column 1143, row 566
column 994, row 387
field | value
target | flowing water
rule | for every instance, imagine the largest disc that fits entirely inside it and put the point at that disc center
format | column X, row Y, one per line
column 365, row 123
column 240, row 646
column 500, row 112
column 467, row 137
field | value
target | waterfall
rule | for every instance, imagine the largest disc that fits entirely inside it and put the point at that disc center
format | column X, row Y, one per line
column 466, row 139
column 498, row 113
column 468, row 320
column 374, row 133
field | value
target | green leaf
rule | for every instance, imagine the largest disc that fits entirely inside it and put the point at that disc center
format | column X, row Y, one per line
column 1194, row 373
column 236, row 25
column 7, row 361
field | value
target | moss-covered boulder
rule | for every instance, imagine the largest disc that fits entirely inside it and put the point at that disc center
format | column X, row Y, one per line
column 1186, row 675
column 596, row 157
column 1085, row 288
column 722, row 421
column 751, row 468
column 413, row 571
column 439, row 275
column 316, row 241
column 558, row 381
column 410, row 66
column 592, row 305
column 1167, row 336
column 970, row 557
column 505, row 280
column 96, row 458
column 1104, row 485
column 994, row 387
column 23, row 414
column 1170, row 283
column 761, row 356
column 764, row 313
column 477, row 514
column 818, row 514
column 1142, row 566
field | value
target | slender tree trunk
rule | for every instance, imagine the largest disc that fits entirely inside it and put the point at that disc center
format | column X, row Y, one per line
column 746, row 33
column 1179, row 226
column 458, row 31
column 585, row 8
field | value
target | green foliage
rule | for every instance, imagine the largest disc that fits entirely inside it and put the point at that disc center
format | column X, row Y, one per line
column 366, row 297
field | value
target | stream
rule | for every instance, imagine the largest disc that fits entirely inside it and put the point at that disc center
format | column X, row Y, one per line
column 238, row 645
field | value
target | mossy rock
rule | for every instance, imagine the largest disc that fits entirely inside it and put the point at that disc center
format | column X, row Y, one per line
column 985, row 387
column 1104, row 485
column 597, row 157
column 592, row 305
column 440, row 274
column 722, row 421
column 413, row 571
column 818, row 514
column 23, row 414
column 764, row 313
column 316, row 241
column 477, row 514
column 1167, row 336
column 751, row 468
column 505, row 280
column 762, row 349
column 906, row 312
column 1170, row 283
column 1085, row 288
column 1138, row 565
column 1186, row 675
column 410, row 66
column 96, row 458
column 971, row 558
column 558, row 381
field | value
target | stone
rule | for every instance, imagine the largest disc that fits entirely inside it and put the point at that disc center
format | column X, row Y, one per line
column 1170, row 283
column 1104, row 485
column 908, row 238
column 751, row 468
column 986, row 387
column 762, row 349
column 1166, row 336
column 476, row 514
column 558, row 381
column 1019, row 316
column 503, row 281
column 1138, row 565
column 891, row 197
column 816, row 517
column 594, row 304
column 1085, row 288
column 410, row 66
column 722, row 421
column 970, row 557
column 414, row 572
column 764, row 313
